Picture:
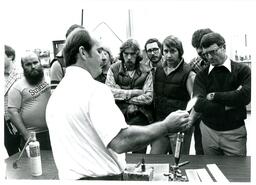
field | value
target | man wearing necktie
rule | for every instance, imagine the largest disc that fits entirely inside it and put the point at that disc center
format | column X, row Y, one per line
column 223, row 90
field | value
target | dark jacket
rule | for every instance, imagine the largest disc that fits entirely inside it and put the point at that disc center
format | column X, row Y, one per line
column 170, row 91
column 225, row 84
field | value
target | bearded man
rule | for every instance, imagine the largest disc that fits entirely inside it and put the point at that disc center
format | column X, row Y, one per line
column 27, row 100
column 131, row 84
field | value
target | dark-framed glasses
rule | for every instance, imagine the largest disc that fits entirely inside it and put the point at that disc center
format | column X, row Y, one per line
column 211, row 52
column 153, row 50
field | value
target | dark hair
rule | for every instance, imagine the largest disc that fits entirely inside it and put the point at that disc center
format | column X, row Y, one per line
column 152, row 40
column 212, row 38
column 9, row 51
column 71, row 28
column 131, row 43
column 79, row 37
column 172, row 41
column 197, row 36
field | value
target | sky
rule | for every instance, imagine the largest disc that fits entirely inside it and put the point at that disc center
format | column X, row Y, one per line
column 35, row 24
column 30, row 24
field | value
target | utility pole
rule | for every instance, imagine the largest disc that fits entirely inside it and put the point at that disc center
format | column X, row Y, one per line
column 129, row 28
column 82, row 17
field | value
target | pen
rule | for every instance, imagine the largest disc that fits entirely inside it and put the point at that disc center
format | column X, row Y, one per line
column 183, row 163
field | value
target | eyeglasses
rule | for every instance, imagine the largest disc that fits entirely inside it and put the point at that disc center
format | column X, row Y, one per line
column 154, row 50
column 212, row 52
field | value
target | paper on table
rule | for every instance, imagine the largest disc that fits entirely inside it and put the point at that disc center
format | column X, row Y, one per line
column 192, row 175
column 217, row 173
column 198, row 175
column 204, row 176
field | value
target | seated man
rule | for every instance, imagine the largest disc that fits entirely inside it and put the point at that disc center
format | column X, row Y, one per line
column 27, row 100
column 131, row 84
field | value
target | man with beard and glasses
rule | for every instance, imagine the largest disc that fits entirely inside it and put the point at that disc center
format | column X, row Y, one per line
column 27, row 100
column 131, row 84
column 153, row 49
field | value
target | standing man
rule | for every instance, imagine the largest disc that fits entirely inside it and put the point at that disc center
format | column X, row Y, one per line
column 153, row 49
column 94, row 134
column 173, row 89
column 131, row 84
column 106, row 61
column 198, row 64
column 223, row 90
column 27, row 101
column 11, row 135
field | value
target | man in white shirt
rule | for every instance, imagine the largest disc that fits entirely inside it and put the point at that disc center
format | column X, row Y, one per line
column 88, row 132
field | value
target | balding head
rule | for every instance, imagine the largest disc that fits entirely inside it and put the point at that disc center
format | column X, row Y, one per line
column 32, row 68
column 29, row 56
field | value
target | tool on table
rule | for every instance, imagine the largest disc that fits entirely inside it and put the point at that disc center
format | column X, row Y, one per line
column 139, row 172
column 15, row 163
column 174, row 171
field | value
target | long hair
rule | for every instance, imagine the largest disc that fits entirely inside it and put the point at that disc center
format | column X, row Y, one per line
column 131, row 43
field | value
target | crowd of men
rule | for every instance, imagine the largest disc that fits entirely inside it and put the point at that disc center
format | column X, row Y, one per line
column 99, row 107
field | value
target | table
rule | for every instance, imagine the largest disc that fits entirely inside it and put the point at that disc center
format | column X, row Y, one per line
column 236, row 169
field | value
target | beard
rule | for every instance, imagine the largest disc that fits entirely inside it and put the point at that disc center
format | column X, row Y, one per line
column 130, row 66
column 34, row 76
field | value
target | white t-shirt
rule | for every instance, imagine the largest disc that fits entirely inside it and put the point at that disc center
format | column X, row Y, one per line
column 82, row 119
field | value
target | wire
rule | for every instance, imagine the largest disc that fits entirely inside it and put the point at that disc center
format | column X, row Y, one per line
column 110, row 30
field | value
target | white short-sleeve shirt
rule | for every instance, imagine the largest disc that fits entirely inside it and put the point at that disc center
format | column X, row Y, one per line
column 83, row 118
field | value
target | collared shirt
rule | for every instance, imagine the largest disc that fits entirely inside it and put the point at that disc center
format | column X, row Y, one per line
column 168, row 70
column 126, row 94
column 82, row 120
column 226, row 64
column 150, row 66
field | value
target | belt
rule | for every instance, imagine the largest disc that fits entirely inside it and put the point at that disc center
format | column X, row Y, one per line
column 107, row 177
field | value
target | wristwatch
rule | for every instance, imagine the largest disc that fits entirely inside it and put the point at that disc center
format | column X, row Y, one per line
column 212, row 96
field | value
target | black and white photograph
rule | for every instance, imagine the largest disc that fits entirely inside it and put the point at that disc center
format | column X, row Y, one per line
column 137, row 91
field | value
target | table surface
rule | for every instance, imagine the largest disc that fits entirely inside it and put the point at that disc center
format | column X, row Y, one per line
column 236, row 169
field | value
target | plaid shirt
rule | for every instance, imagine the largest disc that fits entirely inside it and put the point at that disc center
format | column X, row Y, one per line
column 9, row 81
column 123, row 94
column 198, row 64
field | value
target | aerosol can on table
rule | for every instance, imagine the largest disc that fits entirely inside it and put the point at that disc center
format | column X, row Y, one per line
column 35, row 157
